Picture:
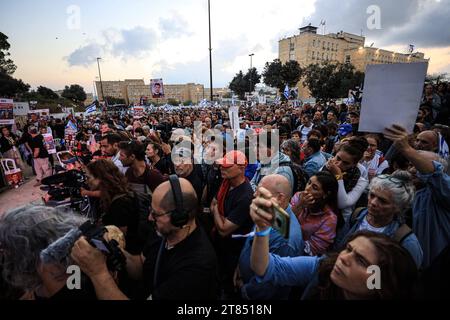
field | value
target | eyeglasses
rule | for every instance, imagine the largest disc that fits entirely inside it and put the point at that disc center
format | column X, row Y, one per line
column 157, row 215
column 398, row 182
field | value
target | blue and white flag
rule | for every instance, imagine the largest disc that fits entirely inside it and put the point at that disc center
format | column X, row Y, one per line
column 286, row 92
column 91, row 108
column 277, row 100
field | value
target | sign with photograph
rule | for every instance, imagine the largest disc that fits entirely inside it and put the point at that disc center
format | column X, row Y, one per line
column 6, row 111
column 157, row 88
column 49, row 143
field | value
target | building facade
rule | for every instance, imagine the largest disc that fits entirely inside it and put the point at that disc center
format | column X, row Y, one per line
column 308, row 48
column 132, row 91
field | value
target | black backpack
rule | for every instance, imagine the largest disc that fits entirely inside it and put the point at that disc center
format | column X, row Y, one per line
column 300, row 176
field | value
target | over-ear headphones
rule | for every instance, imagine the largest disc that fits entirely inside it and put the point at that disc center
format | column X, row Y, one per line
column 179, row 217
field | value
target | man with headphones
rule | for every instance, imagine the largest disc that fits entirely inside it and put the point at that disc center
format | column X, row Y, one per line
column 180, row 264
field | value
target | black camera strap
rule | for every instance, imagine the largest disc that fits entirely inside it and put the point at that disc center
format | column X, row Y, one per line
column 158, row 263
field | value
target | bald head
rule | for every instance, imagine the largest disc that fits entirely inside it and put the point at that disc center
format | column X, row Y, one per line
column 163, row 197
column 279, row 186
column 427, row 141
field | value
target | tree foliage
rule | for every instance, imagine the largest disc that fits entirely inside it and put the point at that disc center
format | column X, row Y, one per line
column 75, row 93
column 245, row 83
column 331, row 80
column 47, row 93
column 277, row 74
column 6, row 65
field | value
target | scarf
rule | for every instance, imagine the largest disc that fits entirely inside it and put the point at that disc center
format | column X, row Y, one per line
column 221, row 195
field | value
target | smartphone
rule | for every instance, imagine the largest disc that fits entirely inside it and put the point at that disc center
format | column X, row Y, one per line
column 282, row 220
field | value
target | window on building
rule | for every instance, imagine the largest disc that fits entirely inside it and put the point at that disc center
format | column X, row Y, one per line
column 291, row 46
column 314, row 43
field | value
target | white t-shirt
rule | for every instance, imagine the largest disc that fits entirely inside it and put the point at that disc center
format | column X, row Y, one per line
column 365, row 225
column 304, row 131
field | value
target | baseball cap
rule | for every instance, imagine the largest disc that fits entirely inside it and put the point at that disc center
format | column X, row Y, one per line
column 232, row 158
column 345, row 129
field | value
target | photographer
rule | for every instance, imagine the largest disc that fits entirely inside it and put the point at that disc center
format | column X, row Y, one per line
column 182, row 263
column 117, row 205
column 24, row 233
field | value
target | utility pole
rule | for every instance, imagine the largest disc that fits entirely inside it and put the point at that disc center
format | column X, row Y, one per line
column 251, row 67
column 210, row 53
column 101, row 83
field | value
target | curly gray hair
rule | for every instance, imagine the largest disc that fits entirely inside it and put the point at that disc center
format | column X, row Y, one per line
column 24, row 233
column 400, row 185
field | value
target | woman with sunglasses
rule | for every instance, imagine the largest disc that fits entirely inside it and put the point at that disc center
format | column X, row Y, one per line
column 390, row 196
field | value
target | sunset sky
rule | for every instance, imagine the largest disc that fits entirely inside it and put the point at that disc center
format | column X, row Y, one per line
column 144, row 39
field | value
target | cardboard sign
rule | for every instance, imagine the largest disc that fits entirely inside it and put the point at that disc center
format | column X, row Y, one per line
column 392, row 94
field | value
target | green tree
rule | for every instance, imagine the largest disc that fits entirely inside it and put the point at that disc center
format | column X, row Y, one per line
column 47, row 93
column 10, row 87
column 173, row 102
column 273, row 75
column 331, row 80
column 187, row 103
column 238, row 85
column 75, row 93
column 6, row 65
column 277, row 75
column 241, row 83
column 291, row 73
column 252, row 77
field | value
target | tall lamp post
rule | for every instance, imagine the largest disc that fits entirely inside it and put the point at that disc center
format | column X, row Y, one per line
column 101, row 83
column 251, row 67
column 210, row 52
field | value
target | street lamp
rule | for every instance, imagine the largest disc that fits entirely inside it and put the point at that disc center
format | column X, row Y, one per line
column 101, row 83
column 251, row 67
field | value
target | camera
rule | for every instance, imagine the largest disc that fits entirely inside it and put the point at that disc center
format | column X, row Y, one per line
column 60, row 249
column 65, row 189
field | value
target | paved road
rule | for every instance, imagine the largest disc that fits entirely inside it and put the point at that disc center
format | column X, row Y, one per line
column 25, row 194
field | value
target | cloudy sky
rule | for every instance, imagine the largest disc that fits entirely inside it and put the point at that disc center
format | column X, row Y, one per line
column 56, row 42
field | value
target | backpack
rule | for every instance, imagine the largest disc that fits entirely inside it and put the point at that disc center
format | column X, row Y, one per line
column 300, row 176
column 401, row 234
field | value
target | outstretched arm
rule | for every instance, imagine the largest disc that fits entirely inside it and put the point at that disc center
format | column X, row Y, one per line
column 399, row 136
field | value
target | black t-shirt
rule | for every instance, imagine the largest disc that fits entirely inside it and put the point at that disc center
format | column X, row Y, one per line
column 165, row 166
column 237, row 210
column 59, row 130
column 196, row 179
column 123, row 213
column 38, row 142
column 186, row 272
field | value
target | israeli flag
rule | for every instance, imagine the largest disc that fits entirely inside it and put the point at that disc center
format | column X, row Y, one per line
column 91, row 108
column 286, row 92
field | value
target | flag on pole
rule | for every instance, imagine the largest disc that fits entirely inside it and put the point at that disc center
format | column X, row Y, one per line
column 286, row 92
column 91, row 108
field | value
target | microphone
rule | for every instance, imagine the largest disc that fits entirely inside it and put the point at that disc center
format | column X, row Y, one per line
column 60, row 249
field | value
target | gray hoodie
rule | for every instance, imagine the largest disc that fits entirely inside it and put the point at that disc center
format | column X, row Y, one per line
column 274, row 168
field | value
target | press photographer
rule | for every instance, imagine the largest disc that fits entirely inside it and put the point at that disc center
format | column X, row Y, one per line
column 180, row 264
column 35, row 243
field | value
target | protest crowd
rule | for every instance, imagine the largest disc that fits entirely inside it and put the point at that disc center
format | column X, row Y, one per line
column 291, row 202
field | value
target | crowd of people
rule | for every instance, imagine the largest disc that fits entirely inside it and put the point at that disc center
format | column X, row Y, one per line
column 198, row 205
